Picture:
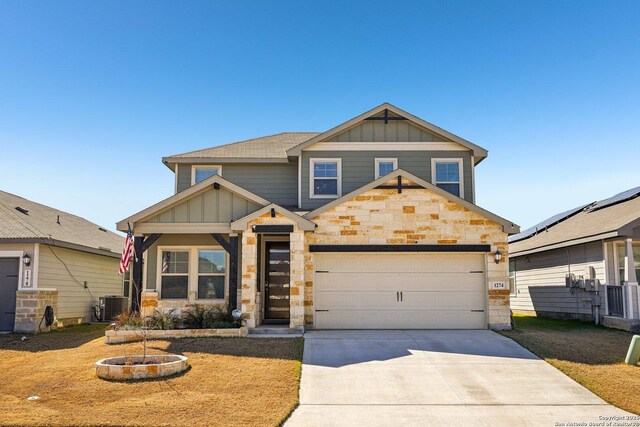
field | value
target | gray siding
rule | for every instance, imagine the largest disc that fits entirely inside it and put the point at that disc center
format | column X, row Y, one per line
column 358, row 169
column 394, row 131
column 277, row 183
column 100, row 272
column 210, row 206
column 540, row 280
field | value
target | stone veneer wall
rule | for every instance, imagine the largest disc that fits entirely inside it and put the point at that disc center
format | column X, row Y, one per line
column 250, row 271
column 383, row 216
column 30, row 305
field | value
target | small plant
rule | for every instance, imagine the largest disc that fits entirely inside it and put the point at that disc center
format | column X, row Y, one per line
column 209, row 317
column 128, row 321
column 164, row 320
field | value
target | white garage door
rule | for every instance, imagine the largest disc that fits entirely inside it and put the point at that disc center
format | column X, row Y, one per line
column 400, row 291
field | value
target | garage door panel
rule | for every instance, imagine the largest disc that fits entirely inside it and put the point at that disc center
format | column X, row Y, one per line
column 368, row 319
column 452, row 282
column 382, row 300
column 442, row 300
column 397, row 262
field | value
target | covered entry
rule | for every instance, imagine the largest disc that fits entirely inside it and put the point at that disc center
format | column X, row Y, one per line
column 400, row 290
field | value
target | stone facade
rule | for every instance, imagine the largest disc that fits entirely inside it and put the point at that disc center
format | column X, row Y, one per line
column 416, row 216
column 250, row 303
column 30, row 306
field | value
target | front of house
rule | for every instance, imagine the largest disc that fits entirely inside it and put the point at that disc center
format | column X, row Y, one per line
column 369, row 225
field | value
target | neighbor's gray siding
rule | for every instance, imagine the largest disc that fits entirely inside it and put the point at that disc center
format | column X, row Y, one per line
column 211, row 206
column 540, row 280
column 277, row 183
column 358, row 169
column 74, row 301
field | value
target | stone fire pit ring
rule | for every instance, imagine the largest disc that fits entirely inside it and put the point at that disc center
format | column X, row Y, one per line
column 124, row 368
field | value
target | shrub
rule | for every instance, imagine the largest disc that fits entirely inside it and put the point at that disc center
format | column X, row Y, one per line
column 128, row 321
column 164, row 320
column 207, row 317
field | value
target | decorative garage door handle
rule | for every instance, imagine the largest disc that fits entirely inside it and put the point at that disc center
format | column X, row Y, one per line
column 397, row 296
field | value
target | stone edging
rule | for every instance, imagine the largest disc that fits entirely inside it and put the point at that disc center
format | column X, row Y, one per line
column 114, row 368
column 121, row 336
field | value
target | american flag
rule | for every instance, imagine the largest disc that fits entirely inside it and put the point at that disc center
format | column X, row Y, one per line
column 127, row 252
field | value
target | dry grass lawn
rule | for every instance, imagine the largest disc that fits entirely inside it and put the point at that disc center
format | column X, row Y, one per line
column 232, row 381
column 592, row 355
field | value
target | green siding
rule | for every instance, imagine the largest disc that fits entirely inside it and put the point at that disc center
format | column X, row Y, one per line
column 358, row 169
column 210, row 206
column 394, row 131
column 277, row 183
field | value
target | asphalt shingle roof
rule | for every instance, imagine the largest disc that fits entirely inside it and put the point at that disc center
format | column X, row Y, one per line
column 266, row 147
column 41, row 222
column 591, row 221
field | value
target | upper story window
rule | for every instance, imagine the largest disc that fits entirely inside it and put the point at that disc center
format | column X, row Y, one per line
column 385, row 166
column 447, row 174
column 200, row 173
column 326, row 178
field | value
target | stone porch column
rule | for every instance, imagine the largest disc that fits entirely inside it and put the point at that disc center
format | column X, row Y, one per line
column 296, row 290
column 249, row 278
column 630, row 285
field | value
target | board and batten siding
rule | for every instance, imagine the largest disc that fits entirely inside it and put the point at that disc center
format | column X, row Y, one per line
column 74, row 301
column 358, row 169
column 211, row 206
column 277, row 183
column 393, row 131
column 540, row 280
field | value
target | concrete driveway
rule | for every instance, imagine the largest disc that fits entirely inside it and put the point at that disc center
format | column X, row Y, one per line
column 435, row 378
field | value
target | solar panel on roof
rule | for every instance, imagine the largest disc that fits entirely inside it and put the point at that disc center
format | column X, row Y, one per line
column 547, row 223
column 618, row 198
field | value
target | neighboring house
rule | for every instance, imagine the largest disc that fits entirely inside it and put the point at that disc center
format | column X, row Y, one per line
column 52, row 258
column 599, row 240
column 371, row 224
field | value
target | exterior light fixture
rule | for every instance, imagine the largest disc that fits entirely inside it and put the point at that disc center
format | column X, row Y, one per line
column 26, row 259
column 497, row 256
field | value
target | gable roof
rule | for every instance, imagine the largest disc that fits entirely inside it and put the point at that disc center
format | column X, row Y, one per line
column 192, row 191
column 266, row 148
column 37, row 223
column 478, row 152
column 612, row 217
column 507, row 226
column 303, row 223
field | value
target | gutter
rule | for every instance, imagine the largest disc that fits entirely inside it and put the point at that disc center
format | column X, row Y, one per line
column 66, row 245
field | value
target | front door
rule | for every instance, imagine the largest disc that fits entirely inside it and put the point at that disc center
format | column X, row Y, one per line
column 276, row 302
column 9, row 269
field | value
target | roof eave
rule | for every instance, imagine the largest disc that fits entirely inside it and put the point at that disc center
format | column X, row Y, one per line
column 220, row 160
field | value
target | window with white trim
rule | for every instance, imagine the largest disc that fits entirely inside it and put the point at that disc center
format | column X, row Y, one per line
column 512, row 276
column 174, row 274
column 385, row 166
column 326, row 178
column 200, row 173
column 211, row 272
column 447, row 174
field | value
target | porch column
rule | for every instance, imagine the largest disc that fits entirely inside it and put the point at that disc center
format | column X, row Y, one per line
column 249, row 277
column 140, row 246
column 296, row 290
column 630, row 285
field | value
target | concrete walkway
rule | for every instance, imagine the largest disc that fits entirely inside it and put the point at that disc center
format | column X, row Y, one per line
column 381, row 378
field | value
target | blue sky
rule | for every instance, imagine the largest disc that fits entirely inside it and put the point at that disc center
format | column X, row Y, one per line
column 93, row 94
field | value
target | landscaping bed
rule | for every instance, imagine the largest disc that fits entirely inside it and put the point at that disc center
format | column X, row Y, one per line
column 591, row 355
column 118, row 336
column 232, row 381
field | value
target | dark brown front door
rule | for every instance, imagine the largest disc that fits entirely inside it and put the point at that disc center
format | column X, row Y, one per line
column 276, row 302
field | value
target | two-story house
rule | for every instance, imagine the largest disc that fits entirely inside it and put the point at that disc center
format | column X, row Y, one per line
column 371, row 224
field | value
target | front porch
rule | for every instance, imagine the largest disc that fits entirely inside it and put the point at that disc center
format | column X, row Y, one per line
column 622, row 297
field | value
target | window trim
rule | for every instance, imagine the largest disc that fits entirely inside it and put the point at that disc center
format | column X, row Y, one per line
column 460, row 162
column 384, row 160
column 338, row 162
column 617, row 245
column 514, row 289
column 192, row 272
column 194, row 167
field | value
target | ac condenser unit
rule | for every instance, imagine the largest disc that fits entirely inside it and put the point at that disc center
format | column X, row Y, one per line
column 111, row 306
